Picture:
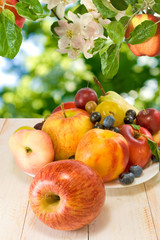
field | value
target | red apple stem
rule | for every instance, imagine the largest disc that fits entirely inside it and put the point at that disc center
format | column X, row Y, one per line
column 144, row 110
column 137, row 135
column 62, row 107
column 99, row 85
column 88, row 84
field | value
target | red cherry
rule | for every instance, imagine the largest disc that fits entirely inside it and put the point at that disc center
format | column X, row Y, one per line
column 83, row 96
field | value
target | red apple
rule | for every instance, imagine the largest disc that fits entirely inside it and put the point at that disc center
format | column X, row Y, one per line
column 67, row 105
column 67, row 195
column 18, row 19
column 149, row 119
column 150, row 47
column 139, row 151
column 32, row 149
column 67, row 130
column 105, row 151
column 83, row 96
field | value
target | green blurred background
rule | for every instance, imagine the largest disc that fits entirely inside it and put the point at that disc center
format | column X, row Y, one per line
column 40, row 78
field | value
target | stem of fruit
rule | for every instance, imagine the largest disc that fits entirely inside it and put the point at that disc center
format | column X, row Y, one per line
column 99, row 85
column 62, row 107
column 52, row 198
column 137, row 135
column 143, row 6
column 28, row 149
column 55, row 14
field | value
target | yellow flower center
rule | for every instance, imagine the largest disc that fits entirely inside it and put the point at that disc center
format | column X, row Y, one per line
column 69, row 33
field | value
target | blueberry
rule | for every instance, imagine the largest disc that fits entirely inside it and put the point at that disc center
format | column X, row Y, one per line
column 131, row 113
column 126, row 178
column 72, row 157
column 98, row 125
column 95, row 117
column 128, row 119
column 136, row 170
column 154, row 159
column 108, row 121
column 114, row 129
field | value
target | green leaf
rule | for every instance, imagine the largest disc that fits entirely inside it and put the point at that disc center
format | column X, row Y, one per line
column 115, row 31
column 136, row 127
column 129, row 10
column 154, row 149
column 103, row 10
column 9, row 14
column 110, row 60
column 30, row 9
column 124, row 20
column 156, row 6
column 132, row 2
column 81, row 9
column 98, row 45
column 120, row 4
column 55, row 24
column 142, row 32
column 10, row 37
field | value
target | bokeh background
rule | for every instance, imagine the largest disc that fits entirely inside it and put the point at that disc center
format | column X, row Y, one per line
column 40, row 78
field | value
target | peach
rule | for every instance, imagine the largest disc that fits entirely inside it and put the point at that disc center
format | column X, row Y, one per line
column 105, row 151
column 32, row 149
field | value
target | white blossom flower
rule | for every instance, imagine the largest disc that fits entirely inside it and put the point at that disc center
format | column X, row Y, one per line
column 79, row 35
column 93, row 10
column 89, row 5
column 59, row 4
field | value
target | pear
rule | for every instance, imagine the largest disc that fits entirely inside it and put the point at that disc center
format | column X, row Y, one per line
column 115, row 97
column 111, row 103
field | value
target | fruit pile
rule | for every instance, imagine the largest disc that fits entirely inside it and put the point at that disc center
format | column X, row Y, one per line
column 79, row 147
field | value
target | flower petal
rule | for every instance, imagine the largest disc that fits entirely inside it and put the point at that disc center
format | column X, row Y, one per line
column 60, row 10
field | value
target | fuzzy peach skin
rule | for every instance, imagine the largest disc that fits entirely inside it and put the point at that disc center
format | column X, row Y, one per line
column 32, row 149
column 67, row 132
column 105, row 151
column 18, row 19
column 150, row 47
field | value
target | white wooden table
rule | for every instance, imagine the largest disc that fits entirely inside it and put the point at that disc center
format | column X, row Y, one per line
column 128, row 214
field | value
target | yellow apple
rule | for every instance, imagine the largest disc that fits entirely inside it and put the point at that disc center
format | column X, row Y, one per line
column 67, row 130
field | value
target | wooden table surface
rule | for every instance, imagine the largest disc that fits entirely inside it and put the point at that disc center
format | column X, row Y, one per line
column 128, row 214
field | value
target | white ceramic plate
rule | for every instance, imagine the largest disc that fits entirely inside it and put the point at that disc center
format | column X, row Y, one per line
column 148, row 172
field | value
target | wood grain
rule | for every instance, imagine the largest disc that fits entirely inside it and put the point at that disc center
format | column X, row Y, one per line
column 153, row 194
column 2, row 121
column 126, row 216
